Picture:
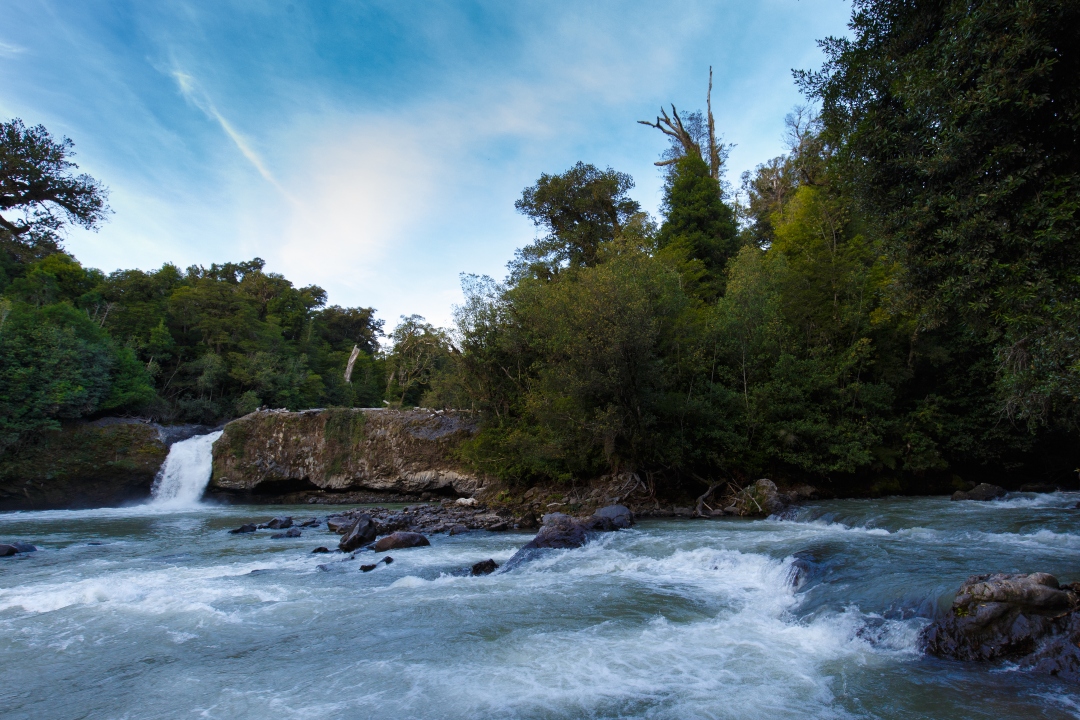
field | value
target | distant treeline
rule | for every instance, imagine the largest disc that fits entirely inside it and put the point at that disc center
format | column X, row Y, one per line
column 893, row 304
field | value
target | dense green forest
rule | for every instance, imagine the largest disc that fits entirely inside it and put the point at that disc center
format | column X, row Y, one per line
column 891, row 305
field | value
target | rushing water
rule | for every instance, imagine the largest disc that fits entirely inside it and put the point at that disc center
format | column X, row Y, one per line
column 185, row 473
column 152, row 613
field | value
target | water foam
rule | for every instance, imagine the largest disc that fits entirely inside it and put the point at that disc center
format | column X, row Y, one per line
column 186, row 472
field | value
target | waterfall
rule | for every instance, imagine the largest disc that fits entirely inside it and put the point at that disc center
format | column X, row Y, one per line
column 183, row 478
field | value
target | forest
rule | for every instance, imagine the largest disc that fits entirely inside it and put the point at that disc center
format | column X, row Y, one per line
column 892, row 305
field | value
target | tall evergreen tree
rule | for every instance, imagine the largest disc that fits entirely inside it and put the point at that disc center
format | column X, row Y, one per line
column 700, row 228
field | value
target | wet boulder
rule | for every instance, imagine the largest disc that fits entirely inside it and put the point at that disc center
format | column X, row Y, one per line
column 246, row 528
column 361, row 532
column 401, row 539
column 484, row 567
column 559, row 531
column 1002, row 616
column 1060, row 654
column 7, row 550
column 458, row 529
column 612, row 517
column 278, row 523
column 321, row 549
column 293, row 532
column 313, row 522
column 982, row 491
column 23, row 547
column 339, row 523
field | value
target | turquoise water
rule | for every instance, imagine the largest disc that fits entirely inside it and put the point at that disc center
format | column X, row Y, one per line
column 815, row 616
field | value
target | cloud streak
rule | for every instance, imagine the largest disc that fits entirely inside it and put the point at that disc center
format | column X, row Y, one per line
column 194, row 94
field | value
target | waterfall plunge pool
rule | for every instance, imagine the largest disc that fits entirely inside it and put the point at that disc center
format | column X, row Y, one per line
column 152, row 612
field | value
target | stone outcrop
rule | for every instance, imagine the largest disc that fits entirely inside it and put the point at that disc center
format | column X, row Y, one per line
column 326, row 454
column 104, row 463
column 982, row 491
column 1031, row 618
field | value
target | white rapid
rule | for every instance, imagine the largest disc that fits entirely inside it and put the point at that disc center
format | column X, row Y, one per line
column 183, row 478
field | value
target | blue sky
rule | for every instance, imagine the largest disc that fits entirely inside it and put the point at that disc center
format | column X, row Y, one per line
column 376, row 148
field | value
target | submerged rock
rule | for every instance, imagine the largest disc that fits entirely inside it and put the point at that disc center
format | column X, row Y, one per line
column 982, row 491
column 7, row 550
column 484, row 567
column 290, row 533
column 361, row 532
column 247, row 528
column 1011, row 616
column 23, row 547
column 367, row 568
column 321, row 549
column 401, row 540
column 278, row 523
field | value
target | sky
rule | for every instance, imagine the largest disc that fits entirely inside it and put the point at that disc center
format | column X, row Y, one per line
column 375, row 148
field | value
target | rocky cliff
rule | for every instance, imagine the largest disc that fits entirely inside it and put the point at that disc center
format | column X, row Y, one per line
column 333, row 454
column 104, row 463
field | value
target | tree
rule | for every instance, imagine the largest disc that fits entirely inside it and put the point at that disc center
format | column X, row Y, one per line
column 581, row 210
column 39, row 193
column 699, row 229
column 420, row 350
column 955, row 123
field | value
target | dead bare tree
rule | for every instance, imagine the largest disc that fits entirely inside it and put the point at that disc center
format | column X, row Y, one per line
column 683, row 134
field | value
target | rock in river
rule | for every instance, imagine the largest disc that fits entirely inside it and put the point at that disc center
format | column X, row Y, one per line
column 7, row 550
column 361, row 532
column 278, row 523
column 982, row 491
column 246, row 528
column 1012, row 616
column 484, row 567
column 612, row 517
column 397, row 540
column 293, row 532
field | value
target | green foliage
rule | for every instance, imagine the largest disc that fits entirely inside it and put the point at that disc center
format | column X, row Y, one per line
column 972, row 174
column 581, row 209
column 420, row 352
column 699, row 231
column 56, row 364
column 39, row 194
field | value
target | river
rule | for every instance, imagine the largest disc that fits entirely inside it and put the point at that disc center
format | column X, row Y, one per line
column 158, row 612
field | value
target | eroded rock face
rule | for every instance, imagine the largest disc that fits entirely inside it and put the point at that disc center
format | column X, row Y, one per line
column 340, row 450
column 982, row 491
column 1011, row 616
column 107, row 462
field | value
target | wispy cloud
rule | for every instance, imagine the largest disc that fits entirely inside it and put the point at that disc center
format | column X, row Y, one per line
column 10, row 49
column 194, row 94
